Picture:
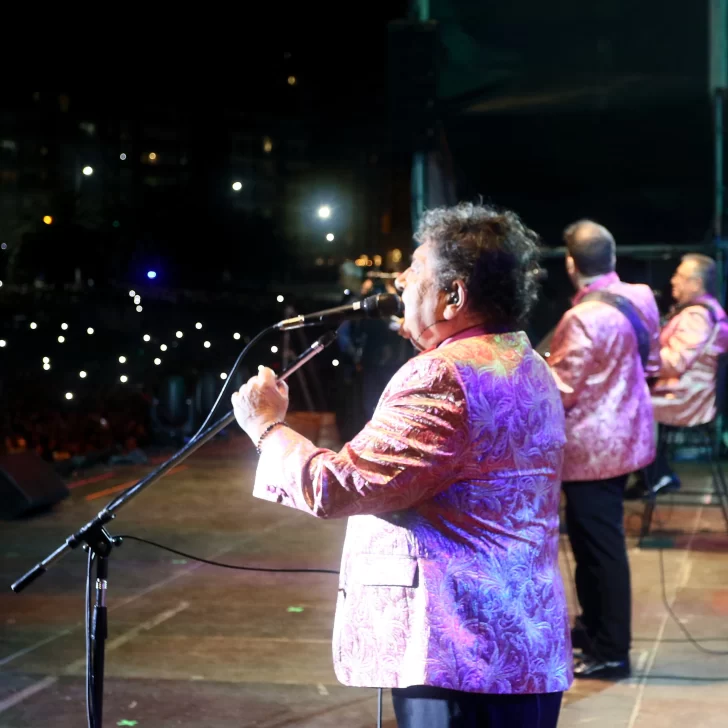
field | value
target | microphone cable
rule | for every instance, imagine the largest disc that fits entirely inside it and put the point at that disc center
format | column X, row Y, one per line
column 229, row 379
column 212, row 562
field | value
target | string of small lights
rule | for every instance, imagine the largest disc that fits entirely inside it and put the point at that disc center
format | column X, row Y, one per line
column 124, row 377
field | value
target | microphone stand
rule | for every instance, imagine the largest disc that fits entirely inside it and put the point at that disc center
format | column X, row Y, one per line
column 95, row 539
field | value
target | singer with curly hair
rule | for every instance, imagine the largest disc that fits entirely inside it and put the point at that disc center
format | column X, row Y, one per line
column 450, row 592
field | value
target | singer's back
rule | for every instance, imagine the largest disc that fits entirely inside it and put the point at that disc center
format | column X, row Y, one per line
column 450, row 572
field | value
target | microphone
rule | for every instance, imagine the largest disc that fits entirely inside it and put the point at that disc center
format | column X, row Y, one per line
column 378, row 306
column 316, row 348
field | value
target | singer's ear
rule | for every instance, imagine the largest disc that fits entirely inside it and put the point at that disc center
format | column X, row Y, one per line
column 456, row 301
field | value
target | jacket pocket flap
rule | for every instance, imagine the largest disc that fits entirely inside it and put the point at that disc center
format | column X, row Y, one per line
column 384, row 570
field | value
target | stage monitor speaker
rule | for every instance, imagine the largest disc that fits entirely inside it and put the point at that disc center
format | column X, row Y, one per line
column 28, row 484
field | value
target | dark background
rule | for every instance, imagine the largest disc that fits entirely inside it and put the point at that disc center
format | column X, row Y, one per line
column 560, row 111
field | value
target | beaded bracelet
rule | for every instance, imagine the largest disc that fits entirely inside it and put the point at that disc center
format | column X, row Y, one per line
column 267, row 431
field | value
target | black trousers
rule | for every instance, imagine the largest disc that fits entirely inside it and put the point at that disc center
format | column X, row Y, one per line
column 595, row 524
column 422, row 706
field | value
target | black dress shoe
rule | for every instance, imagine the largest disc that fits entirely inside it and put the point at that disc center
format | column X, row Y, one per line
column 638, row 490
column 666, row 484
column 589, row 668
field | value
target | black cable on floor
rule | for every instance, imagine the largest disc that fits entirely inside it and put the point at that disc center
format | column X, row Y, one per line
column 226, row 566
column 677, row 619
column 666, row 603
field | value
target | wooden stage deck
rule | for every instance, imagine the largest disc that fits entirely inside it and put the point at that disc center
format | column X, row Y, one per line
column 192, row 645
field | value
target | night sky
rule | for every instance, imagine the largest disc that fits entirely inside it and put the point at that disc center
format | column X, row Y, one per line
column 559, row 112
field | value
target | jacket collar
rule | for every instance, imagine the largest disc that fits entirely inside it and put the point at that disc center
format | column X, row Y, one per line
column 596, row 285
column 477, row 330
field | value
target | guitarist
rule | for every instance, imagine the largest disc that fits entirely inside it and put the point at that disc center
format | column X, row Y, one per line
column 602, row 352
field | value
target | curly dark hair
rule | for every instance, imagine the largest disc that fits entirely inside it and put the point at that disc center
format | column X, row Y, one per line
column 493, row 252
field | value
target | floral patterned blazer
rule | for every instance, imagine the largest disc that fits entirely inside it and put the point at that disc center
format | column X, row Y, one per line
column 449, row 575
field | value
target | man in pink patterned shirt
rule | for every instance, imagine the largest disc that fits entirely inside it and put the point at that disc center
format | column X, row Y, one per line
column 450, row 591
column 603, row 349
column 692, row 340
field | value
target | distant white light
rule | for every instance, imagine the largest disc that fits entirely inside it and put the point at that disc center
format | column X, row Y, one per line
column 280, row 299
column 82, row 374
column 179, row 334
column 46, row 366
column 163, row 347
column 147, row 337
column 335, row 362
column 330, row 237
column 223, row 375
column 61, row 339
column 324, row 212
column 198, row 325
column 122, row 156
column 1, row 284
column 89, row 330
column 236, row 336
column 347, row 292
column 137, row 299
column 207, row 345
column 122, row 360
column 139, row 309
column 151, row 274
column 69, row 395
column 157, row 361
column 123, row 379
column 33, row 325
column 132, row 294
column 274, row 349
column 3, row 343
column 4, row 246
column 88, row 171
column 237, row 186
column 46, row 360
column 64, row 326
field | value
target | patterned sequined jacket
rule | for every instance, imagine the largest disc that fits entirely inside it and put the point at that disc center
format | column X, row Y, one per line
column 609, row 420
column 691, row 341
column 449, row 575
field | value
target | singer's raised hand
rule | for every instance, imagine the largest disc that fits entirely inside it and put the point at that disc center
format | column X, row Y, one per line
column 260, row 402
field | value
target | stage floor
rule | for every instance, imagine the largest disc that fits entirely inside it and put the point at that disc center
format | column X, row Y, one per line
column 193, row 645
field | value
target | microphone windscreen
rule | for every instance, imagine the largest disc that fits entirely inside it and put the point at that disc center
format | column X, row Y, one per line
column 382, row 305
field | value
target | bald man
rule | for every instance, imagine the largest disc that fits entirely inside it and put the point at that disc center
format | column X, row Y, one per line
column 602, row 350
